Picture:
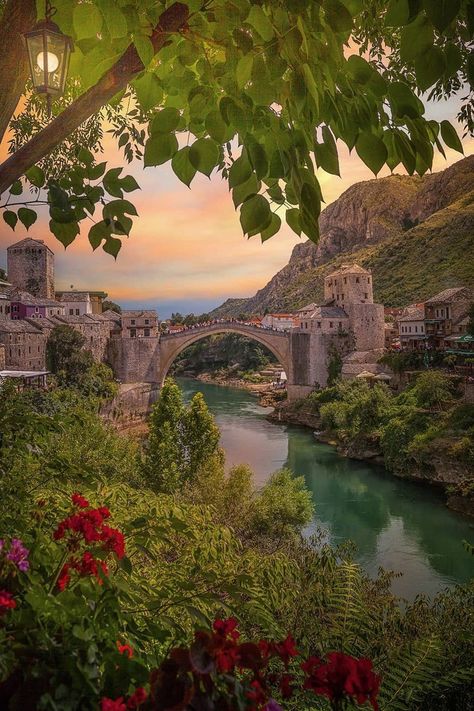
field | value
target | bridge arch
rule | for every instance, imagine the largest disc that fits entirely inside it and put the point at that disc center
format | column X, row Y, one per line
column 171, row 345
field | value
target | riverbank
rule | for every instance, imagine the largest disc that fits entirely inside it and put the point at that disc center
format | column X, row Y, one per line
column 440, row 471
column 264, row 391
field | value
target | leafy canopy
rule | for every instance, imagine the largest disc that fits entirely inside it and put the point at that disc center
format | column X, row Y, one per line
column 261, row 92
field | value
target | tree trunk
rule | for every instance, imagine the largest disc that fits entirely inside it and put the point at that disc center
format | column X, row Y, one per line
column 114, row 80
column 18, row 17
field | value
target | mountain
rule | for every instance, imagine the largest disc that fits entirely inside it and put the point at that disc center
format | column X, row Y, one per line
column 415, row 234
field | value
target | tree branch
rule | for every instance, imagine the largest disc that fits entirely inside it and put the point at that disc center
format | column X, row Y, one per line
column 114, row 80
column 17, row 18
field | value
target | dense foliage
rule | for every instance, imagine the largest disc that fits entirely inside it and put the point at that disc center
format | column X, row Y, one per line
column 97, row 588
column 261, row 92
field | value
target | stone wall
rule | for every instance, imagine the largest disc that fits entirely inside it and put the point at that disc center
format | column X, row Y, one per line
column 2, row 356
column 132, row 404
column 30, row 267
column 367, row 325
column 134, row 360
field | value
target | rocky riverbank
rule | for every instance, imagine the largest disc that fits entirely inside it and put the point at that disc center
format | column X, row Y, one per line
column 442, row 472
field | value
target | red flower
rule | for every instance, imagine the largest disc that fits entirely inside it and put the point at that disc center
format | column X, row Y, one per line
column 363, row 683
column 7, row 602
column 341, row 676
column 286, row 649
column 256, row 694
column 113, row 540
column 286, row 686
column 138, row 697
column 64, row 578
column 124, row 648
column 226, row 628
column 112, row 704
column 79, row 501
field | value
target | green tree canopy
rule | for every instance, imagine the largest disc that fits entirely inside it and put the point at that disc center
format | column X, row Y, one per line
column 261, row 91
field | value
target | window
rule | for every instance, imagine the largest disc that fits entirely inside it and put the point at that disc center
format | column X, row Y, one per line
column 345, row 280
column 132, row 322
column 337, row 297
column 147, row 331
column 330, row 324
column 36, row 309
column 77, row 312
column 147, row 321
column 319, row 324
column 342, row 297
column 368, row 280
column 366, row 296
column 133, row 332
column 416, row 329
column 71, row 312
column 15, row 308
column 333, row 296
column 340, row 324
column 357, row 280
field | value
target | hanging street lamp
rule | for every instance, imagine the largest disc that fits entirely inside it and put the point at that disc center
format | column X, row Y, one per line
column 49, row 51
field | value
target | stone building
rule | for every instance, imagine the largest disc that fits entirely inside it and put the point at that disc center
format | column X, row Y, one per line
column 139, row 324
column 24, row 343
column 79, row 303
column 445, row 313
column 5, row 303
column 280, row 322
column 411, row 328
column 24, row 305
column 30, row 267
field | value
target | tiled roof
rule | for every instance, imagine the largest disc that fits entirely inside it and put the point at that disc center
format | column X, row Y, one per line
column 30, row 242
column 23, row 297
column 74, row 296
column 413, row 314
column 448, row 295
column 348, row 269
column 309, row 307
column 138, row 314
column 329, row 312
column 20, row 326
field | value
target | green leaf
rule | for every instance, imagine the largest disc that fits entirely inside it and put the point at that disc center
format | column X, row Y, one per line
column 398, row 13
column 243, row 71
column 416, row 38
column 255, row 215
column 240, row 171
column 338, row 16
column 260, row 22
column 112, row 246
column 470, row 69
column 372, row 150
column 36, row 176
column 114, row 19
column 182, row 166
column 64, row 232
column 144, row 47
column 87, row 20
column 148, row 90
column 453, row 59
column 405, row 151
column 98, row 233
column 112, row 182
column 10, row 218
column 359, row 69
column 160, row 149
column 449, row 136
column 310, row 209
column 326, row 153
column 27, row 217
column 16, row 188
column 94, row 172
column 129, row 184
column 258, row 158
column 85, row 156
column 441, row 12
column 116, row 208
column 245, row 190
column 204, row 155
column 293, row 220
column 429, row 67
column 272, row 229
column 216, row 127
column 166, row 121
column 311, row 84
column 403, row 101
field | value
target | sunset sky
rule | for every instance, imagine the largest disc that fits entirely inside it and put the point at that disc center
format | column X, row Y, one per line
column 186, row 251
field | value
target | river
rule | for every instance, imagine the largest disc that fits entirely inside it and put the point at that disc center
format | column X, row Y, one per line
column 395, row 524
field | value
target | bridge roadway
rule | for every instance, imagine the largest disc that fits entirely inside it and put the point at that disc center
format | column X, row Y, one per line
column 172, row 344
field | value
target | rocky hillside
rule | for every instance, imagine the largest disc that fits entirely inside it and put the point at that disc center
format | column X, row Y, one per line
column 416, row 234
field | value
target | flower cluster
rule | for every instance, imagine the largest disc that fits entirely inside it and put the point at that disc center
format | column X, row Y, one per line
column 134, row 701
column 7, row 602
column 16, row 553
column 218, row 668
column 342, row 676
column 87, row 526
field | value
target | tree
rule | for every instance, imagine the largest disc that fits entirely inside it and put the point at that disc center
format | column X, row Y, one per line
column 64, row 354
column 111, row 306
column 201, row 436
column 262, row 92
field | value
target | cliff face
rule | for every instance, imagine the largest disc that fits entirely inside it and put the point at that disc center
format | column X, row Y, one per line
column 383, row 224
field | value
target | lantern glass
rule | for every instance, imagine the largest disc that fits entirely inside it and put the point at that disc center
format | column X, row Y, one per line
column 48, row 52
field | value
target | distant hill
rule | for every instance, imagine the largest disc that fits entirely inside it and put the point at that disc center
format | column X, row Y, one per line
column 416, row 234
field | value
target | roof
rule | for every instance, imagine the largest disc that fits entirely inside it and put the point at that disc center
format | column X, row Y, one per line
column 281, row 315
column 138, row 314
column 309, row 307
column 23, row 297
column 329, row 312
column 73, row 296
column 101, row 294
column 30, row 242
column 413, row 314
column 22, row 373
column 108, row 315
column 18, row 326
column 348, row 269
column 449, row 295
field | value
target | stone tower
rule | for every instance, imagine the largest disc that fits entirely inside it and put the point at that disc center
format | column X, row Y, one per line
column 350, row 287
column 30, row 267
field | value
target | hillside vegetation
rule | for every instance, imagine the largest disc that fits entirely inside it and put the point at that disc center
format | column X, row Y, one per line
column 416, row 243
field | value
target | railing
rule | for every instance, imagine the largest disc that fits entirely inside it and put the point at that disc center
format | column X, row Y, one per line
column 218, row 325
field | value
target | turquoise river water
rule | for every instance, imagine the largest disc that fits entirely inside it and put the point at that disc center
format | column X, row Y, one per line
column 395, row 524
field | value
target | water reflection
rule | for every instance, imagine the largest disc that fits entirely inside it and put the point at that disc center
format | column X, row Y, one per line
column 395, row 524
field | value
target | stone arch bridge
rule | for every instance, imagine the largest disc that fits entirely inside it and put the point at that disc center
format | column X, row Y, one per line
column 303, row 356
